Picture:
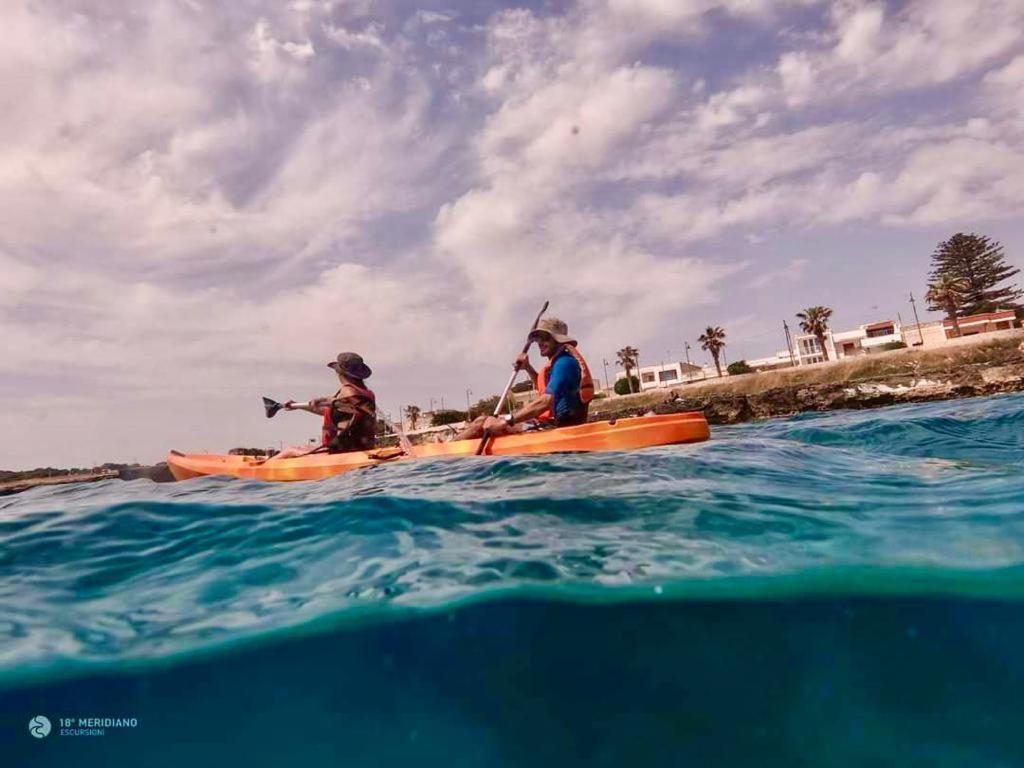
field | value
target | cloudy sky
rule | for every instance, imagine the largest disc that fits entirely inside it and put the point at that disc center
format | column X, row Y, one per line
column 204, row 202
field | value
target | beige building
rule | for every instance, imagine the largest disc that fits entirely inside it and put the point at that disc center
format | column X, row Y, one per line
column 938, row 332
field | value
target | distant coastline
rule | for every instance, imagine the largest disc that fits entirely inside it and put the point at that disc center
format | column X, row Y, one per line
column 975, row 367
column 16, row 482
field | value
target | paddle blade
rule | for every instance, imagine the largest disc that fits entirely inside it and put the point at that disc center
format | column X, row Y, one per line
column 271, row 407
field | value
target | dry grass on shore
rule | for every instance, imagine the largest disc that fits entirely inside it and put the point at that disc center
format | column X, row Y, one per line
column 994, row 350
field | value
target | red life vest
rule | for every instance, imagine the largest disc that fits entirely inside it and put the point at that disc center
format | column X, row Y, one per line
column 586, row 380
column 359, row 434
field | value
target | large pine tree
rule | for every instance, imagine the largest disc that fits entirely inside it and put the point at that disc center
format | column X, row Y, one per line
column 979, row 264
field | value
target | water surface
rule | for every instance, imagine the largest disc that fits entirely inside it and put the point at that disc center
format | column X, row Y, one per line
column 832, row 589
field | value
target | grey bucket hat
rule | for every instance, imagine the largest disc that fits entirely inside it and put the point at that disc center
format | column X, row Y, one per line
column 554, row 328
column 351, row 365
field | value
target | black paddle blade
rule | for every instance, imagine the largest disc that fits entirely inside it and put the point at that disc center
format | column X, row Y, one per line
column 271, row 407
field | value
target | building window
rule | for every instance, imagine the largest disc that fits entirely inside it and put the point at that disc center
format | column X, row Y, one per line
column 667, row 375
column 647, row 378
column 885, row 330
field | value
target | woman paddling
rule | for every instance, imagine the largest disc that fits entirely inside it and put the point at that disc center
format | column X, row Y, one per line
column 349, row 415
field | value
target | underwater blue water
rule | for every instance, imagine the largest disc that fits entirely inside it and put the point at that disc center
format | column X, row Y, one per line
column 828, row 590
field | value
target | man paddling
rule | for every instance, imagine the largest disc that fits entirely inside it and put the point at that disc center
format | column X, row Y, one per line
column 564, row 384
column 349, row 415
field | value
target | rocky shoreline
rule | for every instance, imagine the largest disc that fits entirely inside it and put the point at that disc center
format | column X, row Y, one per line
column 1003, row 372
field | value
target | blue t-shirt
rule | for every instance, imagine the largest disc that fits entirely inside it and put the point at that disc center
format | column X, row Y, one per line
column 564, row 385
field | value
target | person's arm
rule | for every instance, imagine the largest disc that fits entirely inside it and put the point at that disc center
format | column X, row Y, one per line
column 523, row 364
column 533, row 409
column 315, row 406
column 498, row 424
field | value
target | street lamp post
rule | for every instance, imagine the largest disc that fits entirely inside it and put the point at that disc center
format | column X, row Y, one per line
column 468, row 393
column 917, row 319
column 689, row 365
column 605, row 363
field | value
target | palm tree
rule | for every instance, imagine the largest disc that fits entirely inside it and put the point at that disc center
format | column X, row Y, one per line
column 814, row 320
column 948, row 291
column 412, row 412
column 628, row 357
column 713, row 340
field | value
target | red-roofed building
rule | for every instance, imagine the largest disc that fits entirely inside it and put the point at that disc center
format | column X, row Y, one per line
column 984, row 323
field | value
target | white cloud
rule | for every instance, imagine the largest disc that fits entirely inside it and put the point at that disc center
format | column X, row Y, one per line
column 926, row 43
column 859, row 33
column 369, row 37
column 569, row 108
column 662, row 17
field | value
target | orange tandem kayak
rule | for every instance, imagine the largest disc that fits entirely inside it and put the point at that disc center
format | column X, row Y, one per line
column 615, row 435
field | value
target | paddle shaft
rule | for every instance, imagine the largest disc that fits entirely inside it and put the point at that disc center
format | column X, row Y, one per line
column 511, row 380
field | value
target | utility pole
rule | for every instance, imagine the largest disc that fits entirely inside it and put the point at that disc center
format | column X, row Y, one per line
column 689, row 371
column 916, row 318
column 789, row 343
column 605, row 363
column 431, row 405
column 442, row 402
column 468, row 393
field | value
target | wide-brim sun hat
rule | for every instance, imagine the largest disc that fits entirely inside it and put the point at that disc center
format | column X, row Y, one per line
column 554, row 328
column 351, row 364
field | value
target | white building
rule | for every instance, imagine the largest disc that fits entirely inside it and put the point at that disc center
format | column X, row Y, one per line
column 868, row 338
column 808, row 349
column 872, row 337
column 665, row 375
column 779, row 360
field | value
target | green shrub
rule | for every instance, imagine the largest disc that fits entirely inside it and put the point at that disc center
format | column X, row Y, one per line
column 448, row 416
column 893, row 345
column 622, row 386
column 486, row 406
column 740, row 366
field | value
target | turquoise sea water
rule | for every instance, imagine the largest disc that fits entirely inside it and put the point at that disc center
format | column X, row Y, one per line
column 841, row 589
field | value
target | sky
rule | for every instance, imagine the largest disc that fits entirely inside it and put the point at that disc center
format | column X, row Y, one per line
column 204, row 202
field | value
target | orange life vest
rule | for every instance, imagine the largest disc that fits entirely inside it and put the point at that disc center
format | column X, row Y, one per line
column 586, row 380
column 359, row 434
